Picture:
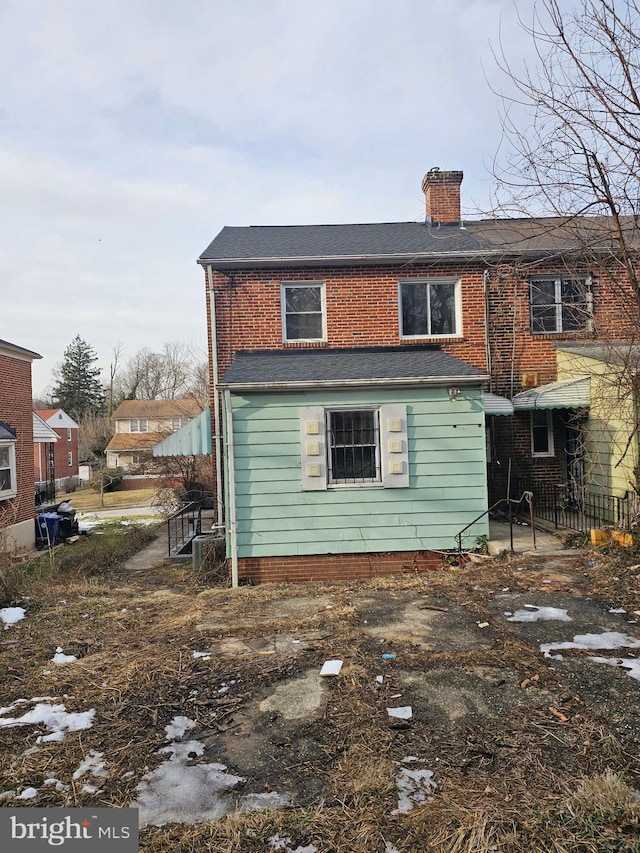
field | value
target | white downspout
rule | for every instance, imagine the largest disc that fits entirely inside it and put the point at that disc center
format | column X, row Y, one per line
column 216, row 401
column 231, row 489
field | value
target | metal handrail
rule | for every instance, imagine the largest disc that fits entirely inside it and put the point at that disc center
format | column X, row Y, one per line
column 528, row 496
column 183, row 525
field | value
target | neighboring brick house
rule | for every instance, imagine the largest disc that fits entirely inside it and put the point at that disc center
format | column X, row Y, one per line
column 65, row 449
column 17, row 526
column 139, row 425
column 497, row 295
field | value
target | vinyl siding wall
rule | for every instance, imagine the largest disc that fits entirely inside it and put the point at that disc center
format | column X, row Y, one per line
column 447, row 469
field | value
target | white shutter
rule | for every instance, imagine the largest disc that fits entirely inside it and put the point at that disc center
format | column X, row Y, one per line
column 313, row 449
column 394, row 446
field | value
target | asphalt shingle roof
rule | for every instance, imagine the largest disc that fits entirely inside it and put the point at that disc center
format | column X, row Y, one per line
column 273, row 245
column 338, row 366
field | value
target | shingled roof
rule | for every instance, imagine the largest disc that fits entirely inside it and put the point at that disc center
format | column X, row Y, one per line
column 400, row 242
column 364, row 366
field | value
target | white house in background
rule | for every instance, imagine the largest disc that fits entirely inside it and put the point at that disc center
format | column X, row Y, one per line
column 139, row 425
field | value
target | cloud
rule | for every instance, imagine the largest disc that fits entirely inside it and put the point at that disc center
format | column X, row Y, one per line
column 131, row 132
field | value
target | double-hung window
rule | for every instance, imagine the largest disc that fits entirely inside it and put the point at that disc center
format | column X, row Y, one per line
column 8, row 488
column 430, row 308
column 303, row 311
column 139, row 425
column 561, row 304
column 542, row 433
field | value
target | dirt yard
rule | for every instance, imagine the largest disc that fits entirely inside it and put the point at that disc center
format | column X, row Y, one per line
column 492, row 707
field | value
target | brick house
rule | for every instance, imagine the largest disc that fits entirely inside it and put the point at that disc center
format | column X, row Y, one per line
column 17, row 527
column 65, row 449
column 499, row 296
column 140, row 424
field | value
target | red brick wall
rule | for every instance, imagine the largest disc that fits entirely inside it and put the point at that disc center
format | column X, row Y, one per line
column 16, row 409
column 516, row 351
column 362, row 309
column 327, row 567
column 62, row 448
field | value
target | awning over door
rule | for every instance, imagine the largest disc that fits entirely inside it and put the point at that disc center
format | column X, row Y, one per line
column 42, row 432
column 495, row 405
column 564, row 394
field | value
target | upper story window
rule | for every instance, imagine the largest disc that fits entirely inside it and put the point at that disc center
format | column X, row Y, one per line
column 8, row 488
column 139, row 425
column 561, row 304
column 176, row 424
column 69, row 437
column 303, row 311
column 430, row 308
column 70, row 460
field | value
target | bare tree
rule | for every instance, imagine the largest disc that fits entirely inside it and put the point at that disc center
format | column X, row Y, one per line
column 571, row 152
column 168, row 374
column 579, row 154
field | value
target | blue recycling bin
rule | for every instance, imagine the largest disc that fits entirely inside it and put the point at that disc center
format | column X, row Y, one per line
column 48, row 527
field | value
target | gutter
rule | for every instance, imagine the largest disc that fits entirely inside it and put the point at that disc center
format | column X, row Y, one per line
column 331, row 384
column 353, row 260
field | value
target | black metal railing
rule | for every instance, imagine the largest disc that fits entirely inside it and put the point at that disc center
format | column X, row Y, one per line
column 579, row 509
column 182, row 526
column 45, row 492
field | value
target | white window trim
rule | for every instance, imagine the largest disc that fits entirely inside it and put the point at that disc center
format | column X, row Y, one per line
column 69, row 436
column 393, row 448
column 5, row 494
column 458, row 307
column 551, row 448
column 138, row 422
column 372, row 481
column 70, row 459
column 283, row 310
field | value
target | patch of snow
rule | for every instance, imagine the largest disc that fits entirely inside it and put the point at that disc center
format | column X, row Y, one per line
column 178, row 726
column 606, row 640
column 278, row 842
column 632, row 665
column 60, row 786
column 60, row 657
column 535, row 614
column 27, row 794
column 11, row 615
column 415, row 786
column 185, row 751
column 205, row 655
column 180, row 792
column 617, row 610
column 55, row 718
column 93, row 764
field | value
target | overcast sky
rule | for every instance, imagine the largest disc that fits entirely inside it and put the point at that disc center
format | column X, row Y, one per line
column 131, row 131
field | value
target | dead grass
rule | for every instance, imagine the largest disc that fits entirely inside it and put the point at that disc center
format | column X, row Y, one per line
column 86, row 500
column 521, row 781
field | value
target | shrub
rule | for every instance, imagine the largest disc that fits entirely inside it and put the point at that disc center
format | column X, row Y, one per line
column 106, row 480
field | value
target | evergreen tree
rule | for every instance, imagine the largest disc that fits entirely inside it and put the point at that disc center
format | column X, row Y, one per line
column 79, row 390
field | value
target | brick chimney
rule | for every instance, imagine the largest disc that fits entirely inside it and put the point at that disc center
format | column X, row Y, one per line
column 442, row 195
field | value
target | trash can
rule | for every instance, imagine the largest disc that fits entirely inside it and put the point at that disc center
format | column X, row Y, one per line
column 48, row 527
column 68, row 524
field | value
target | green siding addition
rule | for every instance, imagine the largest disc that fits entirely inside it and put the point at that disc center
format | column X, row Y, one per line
column 447, row 477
